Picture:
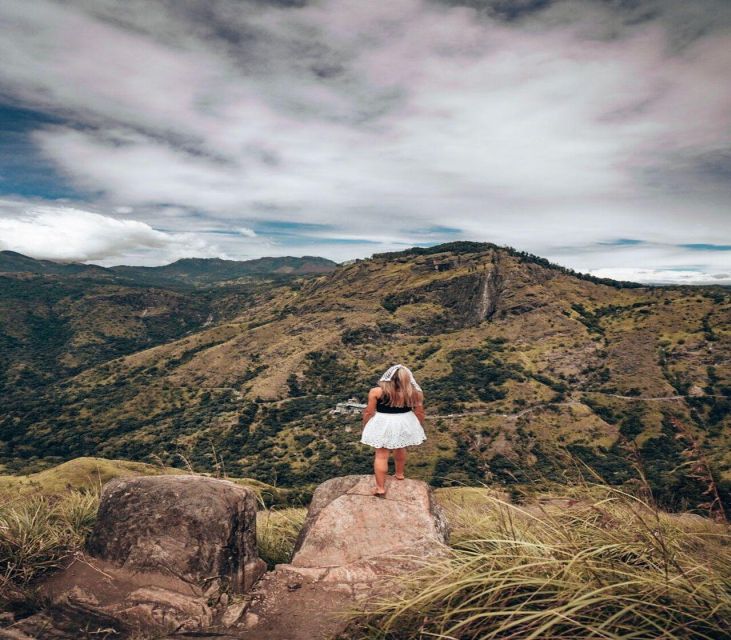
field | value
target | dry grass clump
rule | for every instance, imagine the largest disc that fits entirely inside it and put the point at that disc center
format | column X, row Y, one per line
column 598, row 567
column 38, row 533
column 276, row 533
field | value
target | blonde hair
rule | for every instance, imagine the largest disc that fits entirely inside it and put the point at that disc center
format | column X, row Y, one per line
column 399, row 392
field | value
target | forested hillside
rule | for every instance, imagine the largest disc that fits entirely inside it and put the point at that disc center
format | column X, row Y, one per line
column 528, row 369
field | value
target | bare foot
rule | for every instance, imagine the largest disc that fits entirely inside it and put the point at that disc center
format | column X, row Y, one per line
column 400, row 477
column 378, row 492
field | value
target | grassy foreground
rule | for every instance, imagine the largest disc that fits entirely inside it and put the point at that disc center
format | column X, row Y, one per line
column 604, row 564
column 601, row 564
column 37, row 534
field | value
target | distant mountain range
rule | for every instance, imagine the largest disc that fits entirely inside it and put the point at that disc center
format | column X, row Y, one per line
column 57, row 319
column 188, row 271
column 529, row 369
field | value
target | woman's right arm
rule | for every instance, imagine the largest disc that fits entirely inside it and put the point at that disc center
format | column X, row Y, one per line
column 370, row 409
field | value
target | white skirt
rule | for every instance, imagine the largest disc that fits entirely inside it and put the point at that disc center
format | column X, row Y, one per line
column 393, row 430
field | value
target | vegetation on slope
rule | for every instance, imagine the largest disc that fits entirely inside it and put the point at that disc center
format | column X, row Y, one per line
column 58, row 319
column 520, row 363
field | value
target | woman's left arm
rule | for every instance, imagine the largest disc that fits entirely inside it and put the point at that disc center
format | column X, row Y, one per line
column 419, row 412
column 370, row 409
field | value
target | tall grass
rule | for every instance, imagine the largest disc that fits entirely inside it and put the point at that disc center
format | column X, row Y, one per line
column 37, row 534
column 609, row 566
column 276, row 533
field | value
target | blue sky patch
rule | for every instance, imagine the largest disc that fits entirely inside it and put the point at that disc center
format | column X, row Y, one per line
column 23, row 171
column 442, row 229
column 700, row 246
column 285, row 227
column 623, row 242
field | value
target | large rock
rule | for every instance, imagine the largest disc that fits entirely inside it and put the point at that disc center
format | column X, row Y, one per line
column 350, row 546
column 193, row 527
column 347, row 525
column 163, row 556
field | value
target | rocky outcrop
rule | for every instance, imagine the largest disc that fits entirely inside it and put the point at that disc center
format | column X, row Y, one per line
column 352, row 545
column 468, row 298
column 169, row 554
column 353, row 538
column 164, row 555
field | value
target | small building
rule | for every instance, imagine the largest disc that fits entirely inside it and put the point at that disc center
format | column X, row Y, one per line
column 351, row 405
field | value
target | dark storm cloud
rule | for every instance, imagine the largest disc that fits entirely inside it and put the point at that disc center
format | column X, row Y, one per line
column 715, row 164
column 594, row 132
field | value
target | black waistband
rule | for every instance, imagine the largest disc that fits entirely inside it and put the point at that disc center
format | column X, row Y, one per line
column 387, row 409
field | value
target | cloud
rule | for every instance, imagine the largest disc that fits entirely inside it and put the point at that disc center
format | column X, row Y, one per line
column 69, row 234
column 631, row 261
column 663, row 276
column 549, row 126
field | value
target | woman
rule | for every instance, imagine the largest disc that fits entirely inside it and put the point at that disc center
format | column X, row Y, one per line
column 392, row 421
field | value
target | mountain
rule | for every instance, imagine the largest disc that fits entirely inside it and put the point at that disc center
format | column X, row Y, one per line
column 528, row 368
column 58, row 319
column 202, row 271
column 12, row 262
column 188, row 271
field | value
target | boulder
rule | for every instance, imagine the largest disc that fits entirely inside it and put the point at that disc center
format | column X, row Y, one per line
column 162, row 557
column 193, row 527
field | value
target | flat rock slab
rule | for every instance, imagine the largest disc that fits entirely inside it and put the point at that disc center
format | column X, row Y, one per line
column 346, row 524
column 95, row 594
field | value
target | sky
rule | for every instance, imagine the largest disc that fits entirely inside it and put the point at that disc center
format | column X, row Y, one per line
column 595, row 133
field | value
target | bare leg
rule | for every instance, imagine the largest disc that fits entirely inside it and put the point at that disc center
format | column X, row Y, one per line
column 399, row 457
column 380, row 469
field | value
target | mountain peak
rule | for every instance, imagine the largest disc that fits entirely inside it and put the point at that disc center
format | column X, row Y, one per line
column 456, row 247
